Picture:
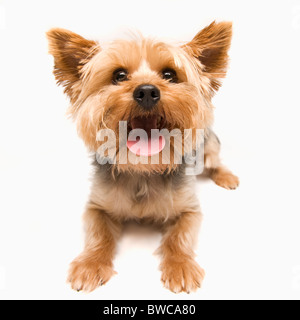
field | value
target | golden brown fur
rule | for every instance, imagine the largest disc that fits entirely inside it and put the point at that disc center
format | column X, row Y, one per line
column 158, row 192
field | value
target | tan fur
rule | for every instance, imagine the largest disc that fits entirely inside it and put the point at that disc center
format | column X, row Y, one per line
column 224, row 178
column 211, row 46
column 94, row 267
column 213, row 166
column 71, row 53
column 161, row 193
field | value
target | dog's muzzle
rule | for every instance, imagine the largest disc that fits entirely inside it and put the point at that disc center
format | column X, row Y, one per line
column 146, row 95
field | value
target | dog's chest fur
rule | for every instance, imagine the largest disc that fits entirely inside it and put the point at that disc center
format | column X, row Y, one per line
column 130, row 196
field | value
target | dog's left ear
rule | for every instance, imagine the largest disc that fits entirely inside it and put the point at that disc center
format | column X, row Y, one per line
column 210, row 46
column 70, row 52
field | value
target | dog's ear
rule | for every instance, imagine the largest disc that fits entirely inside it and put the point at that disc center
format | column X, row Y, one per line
column 70, row 52
column 211, row 47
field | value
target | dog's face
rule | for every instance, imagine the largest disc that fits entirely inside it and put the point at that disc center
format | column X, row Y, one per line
column 149, row 84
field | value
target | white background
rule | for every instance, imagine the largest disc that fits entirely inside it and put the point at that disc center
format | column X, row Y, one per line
column 249, row 243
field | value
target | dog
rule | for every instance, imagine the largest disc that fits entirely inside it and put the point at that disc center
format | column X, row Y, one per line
column 151, row 85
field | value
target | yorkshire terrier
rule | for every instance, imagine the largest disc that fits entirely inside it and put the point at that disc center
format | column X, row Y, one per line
column 150, row 85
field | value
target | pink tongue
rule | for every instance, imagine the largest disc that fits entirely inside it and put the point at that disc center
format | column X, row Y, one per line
column 148, row 147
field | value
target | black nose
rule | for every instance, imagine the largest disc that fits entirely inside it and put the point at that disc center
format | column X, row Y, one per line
column 146, row 95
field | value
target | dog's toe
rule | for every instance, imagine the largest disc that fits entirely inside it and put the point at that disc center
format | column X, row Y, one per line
column 225, row 179
column 87, row 273
column 184, row 276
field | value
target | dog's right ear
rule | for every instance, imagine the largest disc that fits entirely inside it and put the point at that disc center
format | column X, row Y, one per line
column 71, row 52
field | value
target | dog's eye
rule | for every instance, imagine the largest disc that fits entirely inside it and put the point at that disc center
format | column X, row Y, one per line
column 170, row 75
column 120, row 75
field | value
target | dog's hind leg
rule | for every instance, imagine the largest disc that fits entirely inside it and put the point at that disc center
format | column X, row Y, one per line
column 213, row 166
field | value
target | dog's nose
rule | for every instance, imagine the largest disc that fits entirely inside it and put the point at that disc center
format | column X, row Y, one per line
column 146, row 95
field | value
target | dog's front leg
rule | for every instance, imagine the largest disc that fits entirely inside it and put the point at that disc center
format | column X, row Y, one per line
column 180, row 272
column 94, row 266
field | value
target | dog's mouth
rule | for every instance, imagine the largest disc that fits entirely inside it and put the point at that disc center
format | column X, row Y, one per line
column 147, row 123
column 150, row 144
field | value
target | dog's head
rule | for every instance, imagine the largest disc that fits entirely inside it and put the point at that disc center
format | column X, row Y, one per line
column 149, row 84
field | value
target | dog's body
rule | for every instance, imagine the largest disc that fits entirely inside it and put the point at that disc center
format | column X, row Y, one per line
column 112, row 85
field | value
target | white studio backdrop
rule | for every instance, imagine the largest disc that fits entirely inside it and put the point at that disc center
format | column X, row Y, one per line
column 249, row 242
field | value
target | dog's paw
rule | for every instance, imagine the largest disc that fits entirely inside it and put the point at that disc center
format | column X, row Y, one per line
column 225, row 179
column 179, row 276
column 86, row 273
